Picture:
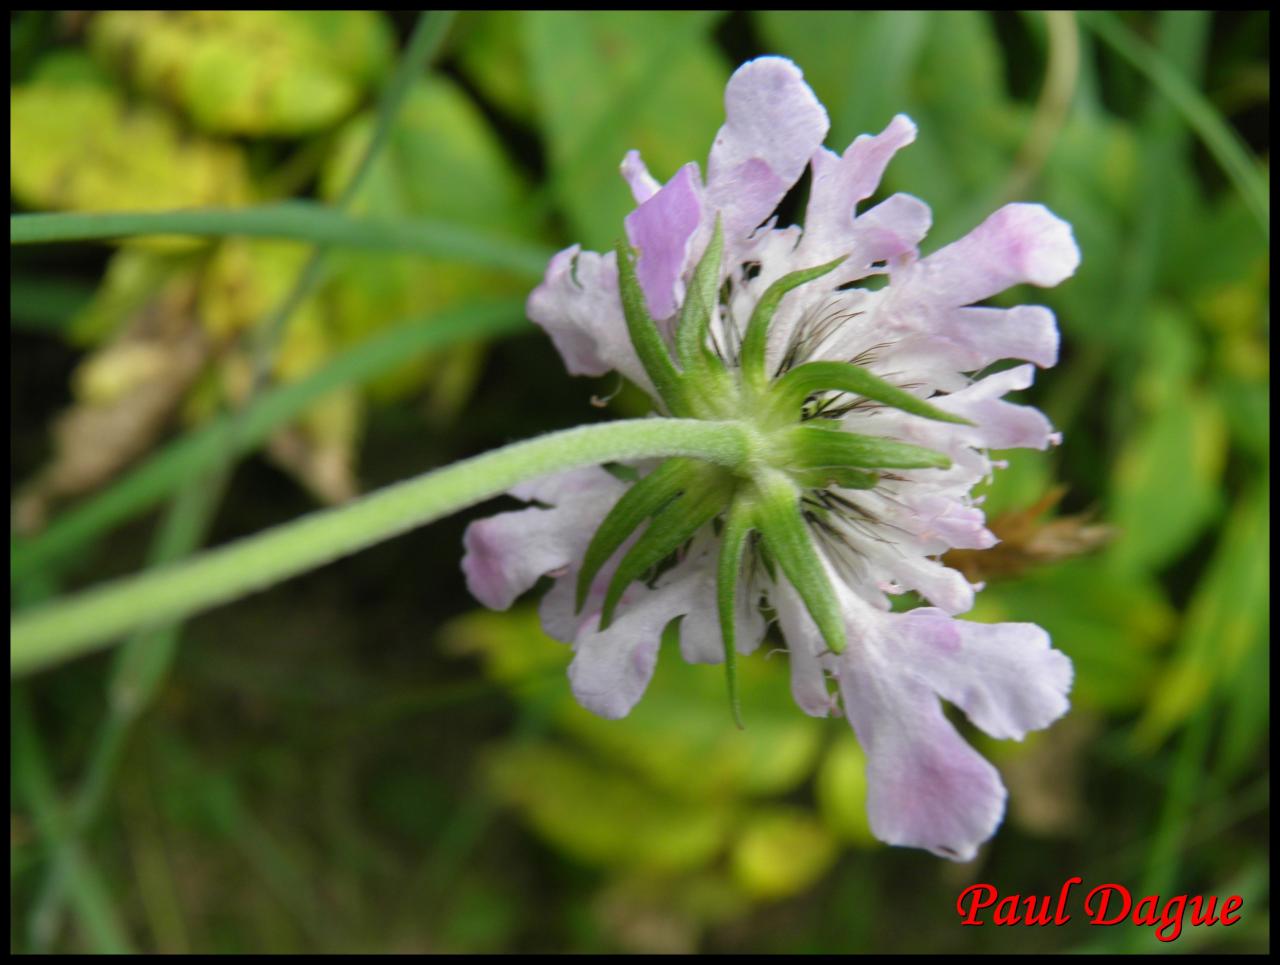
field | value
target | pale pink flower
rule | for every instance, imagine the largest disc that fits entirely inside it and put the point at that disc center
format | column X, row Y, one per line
column 914, row 322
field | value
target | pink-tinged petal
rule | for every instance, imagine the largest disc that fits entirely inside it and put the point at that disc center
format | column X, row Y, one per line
column 986, row 335
column 700, row 637
column 926, row 787
column 1000, row 424
column 940, row 585
column 773, row 118
column 1005, row 676
column 745, row 197
column 662, row 229
column 840, row 183
column 611, row 670
column 893, row 228
column 804, row 649
column 1019, row 243
column 938, row 521
column 643, row 184
column 506, row 554
column 578, row 305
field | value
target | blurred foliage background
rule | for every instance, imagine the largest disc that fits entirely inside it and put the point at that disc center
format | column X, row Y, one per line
column 360, row 759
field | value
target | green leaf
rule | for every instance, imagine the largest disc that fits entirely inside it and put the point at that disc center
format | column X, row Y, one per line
column 671, row 527
column 281, row 72
column 45, row 303
column 788, row 539
column 489, row 47
column 1166, row 482
column 970, row 129
column 645, row 337
column 790, row 391
column 605, row 82
column 642, row 500
column 1223, row 142
column 1226, row 619
column 826, row 476
column 300, row 220
column 812, row 446
column 756, row 336
column 599, row 814
column 737, row 527
column 700, row 301
column 677, row 739
column 782, row 851
column 84, row 148
column 441, row 160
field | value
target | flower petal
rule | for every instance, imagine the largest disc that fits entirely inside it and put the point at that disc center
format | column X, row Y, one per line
column 986, row 335
column 662, row 229
column 840, row 183
column 506, row 554
column 643, row 184
column 611, row 668
column 1005, row 676
column 773, row 125
column 1019, row 243
column 926, row 787
column 579, row 306
column 891, row 229
column 700, row 638
column 1000, row 424
column 805, row 648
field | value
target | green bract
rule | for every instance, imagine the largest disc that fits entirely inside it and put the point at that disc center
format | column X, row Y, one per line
column 794, row 448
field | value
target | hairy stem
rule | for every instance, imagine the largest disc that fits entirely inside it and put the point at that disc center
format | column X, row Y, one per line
column 64, row 628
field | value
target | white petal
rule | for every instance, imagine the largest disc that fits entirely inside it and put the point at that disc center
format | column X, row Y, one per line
column 643, row 184
column 805, row 648
column 1005, row 676
column 840, row 183
column 579, row 307
column 1019, row 243
column 926, row 787
column 507, row 553
column 773, row 125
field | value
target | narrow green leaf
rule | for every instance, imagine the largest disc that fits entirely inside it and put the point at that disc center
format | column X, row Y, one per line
column 670, row 529
column 790, row 391
column 781, row 524
column 34, row 784
column 1215, row 131
column 753, row 342
column 647, row 497
column 299, row 220
column 815, row 445
column 645, row 335
column 737, row 527
column 699, row 302
column 823, row 477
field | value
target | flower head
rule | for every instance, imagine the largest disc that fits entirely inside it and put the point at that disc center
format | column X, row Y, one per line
column 849, row 358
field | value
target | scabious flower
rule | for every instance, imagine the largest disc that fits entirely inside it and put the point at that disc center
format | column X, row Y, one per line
column 849, row 358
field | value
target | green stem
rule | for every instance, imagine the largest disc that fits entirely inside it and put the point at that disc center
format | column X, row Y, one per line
column 297, row 220
column 64, row 628
column 33, row 782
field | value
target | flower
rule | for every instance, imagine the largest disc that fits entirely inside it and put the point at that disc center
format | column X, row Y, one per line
column 850, row 358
